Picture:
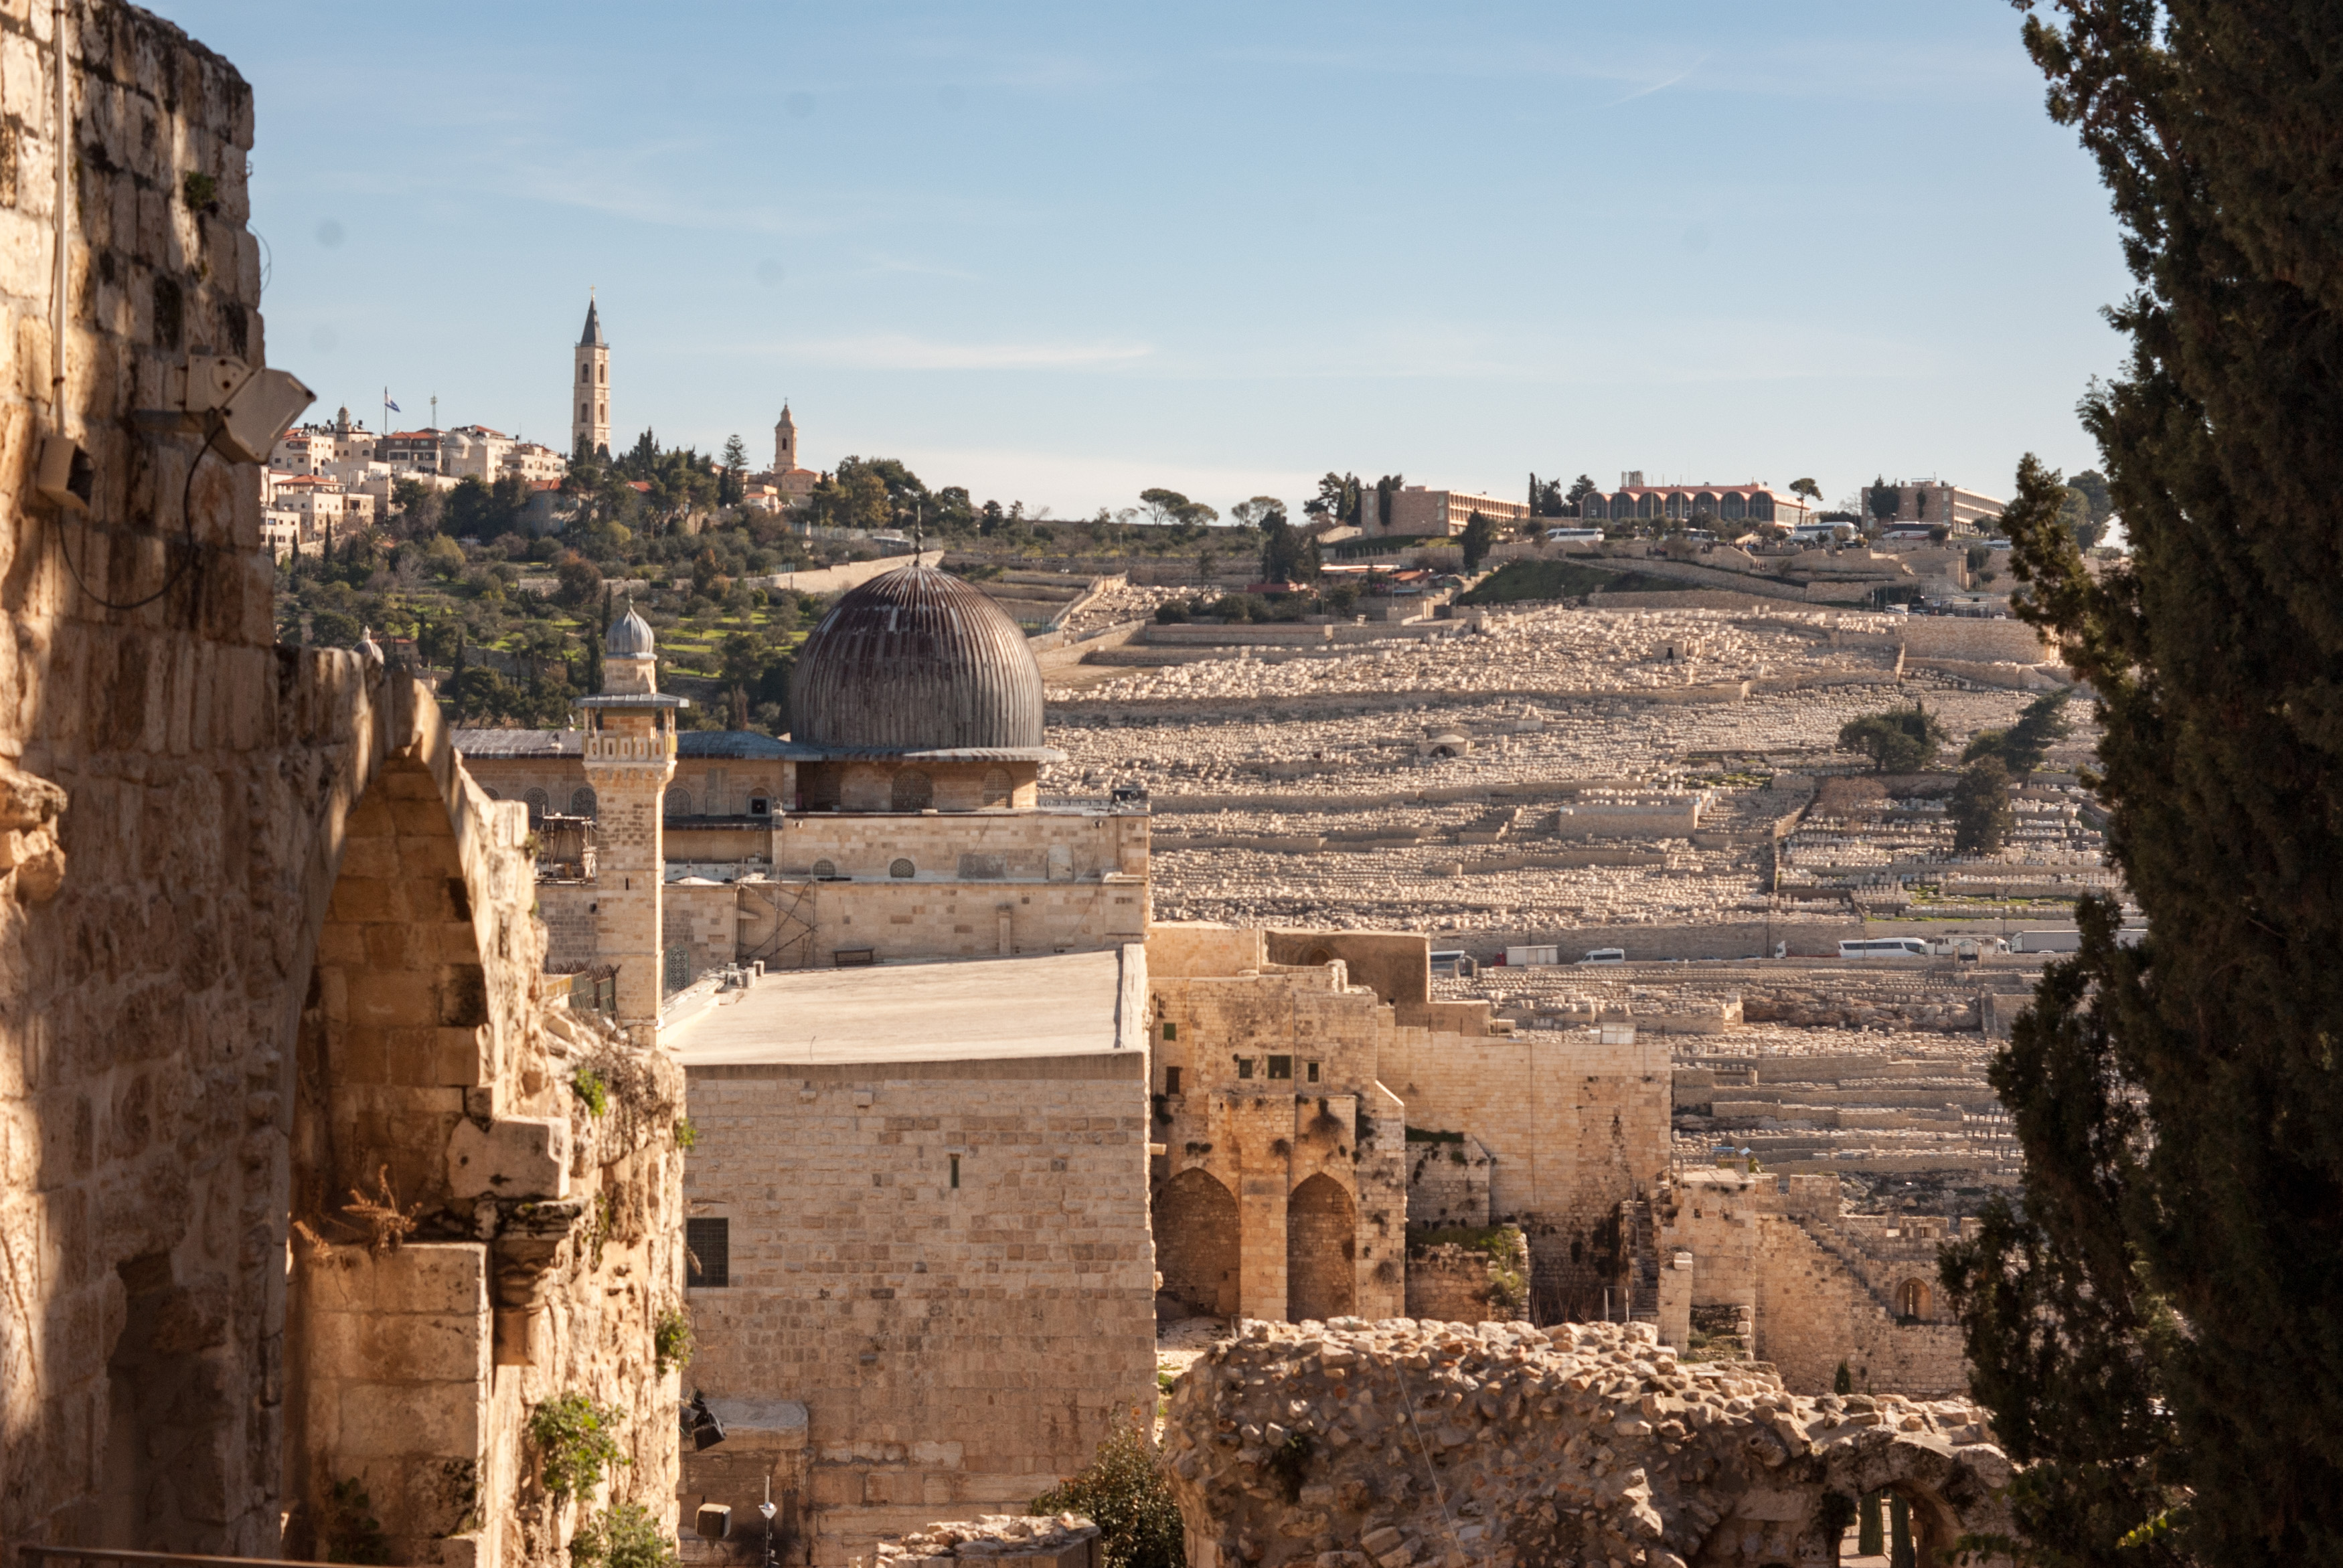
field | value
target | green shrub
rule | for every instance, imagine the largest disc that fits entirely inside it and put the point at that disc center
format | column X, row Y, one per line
column 671, row 1338
column 592, row 1090
column 575, row 1439
column 623, row 1535
column 1125, row 1493
column 687, row 1136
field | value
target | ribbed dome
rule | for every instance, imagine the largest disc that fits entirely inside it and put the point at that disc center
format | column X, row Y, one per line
column 915, row 660
column 630, row 637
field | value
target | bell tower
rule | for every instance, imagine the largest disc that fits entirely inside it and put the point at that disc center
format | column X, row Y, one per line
column 630, row 756
column 589, row 390
column 785, row 443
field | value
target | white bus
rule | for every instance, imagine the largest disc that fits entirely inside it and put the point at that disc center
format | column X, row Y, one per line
column 1885, row 948
column 1575, row 536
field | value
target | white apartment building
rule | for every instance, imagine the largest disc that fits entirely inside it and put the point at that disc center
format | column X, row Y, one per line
column 317, row 448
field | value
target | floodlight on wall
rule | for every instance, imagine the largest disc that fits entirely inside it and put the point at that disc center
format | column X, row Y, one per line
column 243, row 412
column 65, row 475
column 699, row 1423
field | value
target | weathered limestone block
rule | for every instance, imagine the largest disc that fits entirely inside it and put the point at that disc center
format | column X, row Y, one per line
column 1406, row 1443
column 512, row 1157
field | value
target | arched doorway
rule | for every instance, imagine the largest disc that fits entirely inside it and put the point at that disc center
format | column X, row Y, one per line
column 1321, row 1247
column 1913, row 1301
column 1196, row 1234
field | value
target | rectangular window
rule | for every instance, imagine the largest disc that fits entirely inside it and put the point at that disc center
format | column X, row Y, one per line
column 955, row 1172
column 706, row 1253
column 1313, row 1072
column 1171, row 1081
column 1244, row 1066
column 1171, row 1031
column 1280, row 1067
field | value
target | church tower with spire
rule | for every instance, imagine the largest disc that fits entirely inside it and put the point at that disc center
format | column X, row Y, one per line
column 785, row 443
column 589, row 423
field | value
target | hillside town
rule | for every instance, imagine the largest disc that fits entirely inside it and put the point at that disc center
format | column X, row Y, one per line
column 625, row 1006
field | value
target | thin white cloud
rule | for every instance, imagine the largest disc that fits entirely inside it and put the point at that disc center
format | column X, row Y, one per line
column 902, row 351
column 1662, row 85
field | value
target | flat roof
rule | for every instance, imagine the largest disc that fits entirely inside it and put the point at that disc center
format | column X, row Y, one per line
column 964, row 1010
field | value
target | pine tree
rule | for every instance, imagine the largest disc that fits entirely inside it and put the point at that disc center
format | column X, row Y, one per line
column 2156, row 1326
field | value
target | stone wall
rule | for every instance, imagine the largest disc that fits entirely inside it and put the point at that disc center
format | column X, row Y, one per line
column 1460, row 1283
column 1575, row 1126
column 1409, row 1443
column 1824, row 1288
column 261, row 940
column 948, row 1263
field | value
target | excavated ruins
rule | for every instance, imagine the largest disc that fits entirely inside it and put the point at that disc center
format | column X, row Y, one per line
column 1400, row 1443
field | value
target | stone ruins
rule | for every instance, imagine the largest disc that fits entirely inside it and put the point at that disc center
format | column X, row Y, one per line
column 1401, row 1443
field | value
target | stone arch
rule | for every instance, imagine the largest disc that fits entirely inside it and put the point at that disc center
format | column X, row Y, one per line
column 1321, row 1247
column 1915, row 1302
column 676, row 802
column 582, row 802
column 825, row 868
column 902, row 867
column 422, row 964
column 913, row 790
column 1197, row 1231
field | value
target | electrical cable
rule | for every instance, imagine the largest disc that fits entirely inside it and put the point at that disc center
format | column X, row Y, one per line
column 187, row 529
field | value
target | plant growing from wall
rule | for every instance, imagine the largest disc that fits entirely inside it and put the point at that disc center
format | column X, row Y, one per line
column 687, row 1136
column 348, row 1531
column 592, row 1090
column 1127, row 1496
column 671, row 1338
column 575, row 1440
column 623, row 1535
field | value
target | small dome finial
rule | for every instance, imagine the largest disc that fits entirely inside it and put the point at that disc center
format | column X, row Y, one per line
column 630, row 635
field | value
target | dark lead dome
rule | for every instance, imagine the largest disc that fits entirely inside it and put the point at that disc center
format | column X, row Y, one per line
column 916, row 662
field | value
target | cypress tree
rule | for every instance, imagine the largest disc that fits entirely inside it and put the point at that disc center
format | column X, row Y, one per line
column 2157, row 1329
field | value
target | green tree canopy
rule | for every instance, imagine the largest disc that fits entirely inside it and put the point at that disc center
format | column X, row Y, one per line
column 1980, row 810
column 1900, row 740
column 1479, row 535
column 2155, row 1324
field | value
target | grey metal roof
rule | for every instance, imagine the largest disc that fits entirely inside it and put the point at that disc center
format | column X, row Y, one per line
column 592, row 336
column 740, row 745
column 484, row 743
column 917, row 661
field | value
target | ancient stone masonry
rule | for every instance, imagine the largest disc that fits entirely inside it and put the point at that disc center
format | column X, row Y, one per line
column 262, row 943
column 1067, row 1540
column 1349, row 1444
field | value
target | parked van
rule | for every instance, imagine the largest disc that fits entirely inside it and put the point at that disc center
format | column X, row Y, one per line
column 1605, row 956
column 1885, row 948
column 1966, row 947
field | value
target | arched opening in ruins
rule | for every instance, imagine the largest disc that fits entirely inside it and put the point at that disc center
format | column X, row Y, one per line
column 1196, row 1237
column 1913, row 1301
column 1320, row 1250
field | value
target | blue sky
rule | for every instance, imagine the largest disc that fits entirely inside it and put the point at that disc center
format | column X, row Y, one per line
column 1057, row 253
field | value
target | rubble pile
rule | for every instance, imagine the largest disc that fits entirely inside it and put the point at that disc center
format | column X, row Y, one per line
column 1407, row 1444
column 1038, row 1540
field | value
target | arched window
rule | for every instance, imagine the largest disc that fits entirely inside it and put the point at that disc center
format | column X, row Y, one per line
column 539, row 803
column 491, row 793
column 997, row 789
column 1912, row 1301
column 586, row 373
column 582, row 803
column 902, row 867
column 914, row 790
column 586, row 412
column 605, row 375
column 679, row 802
column 825, row 868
